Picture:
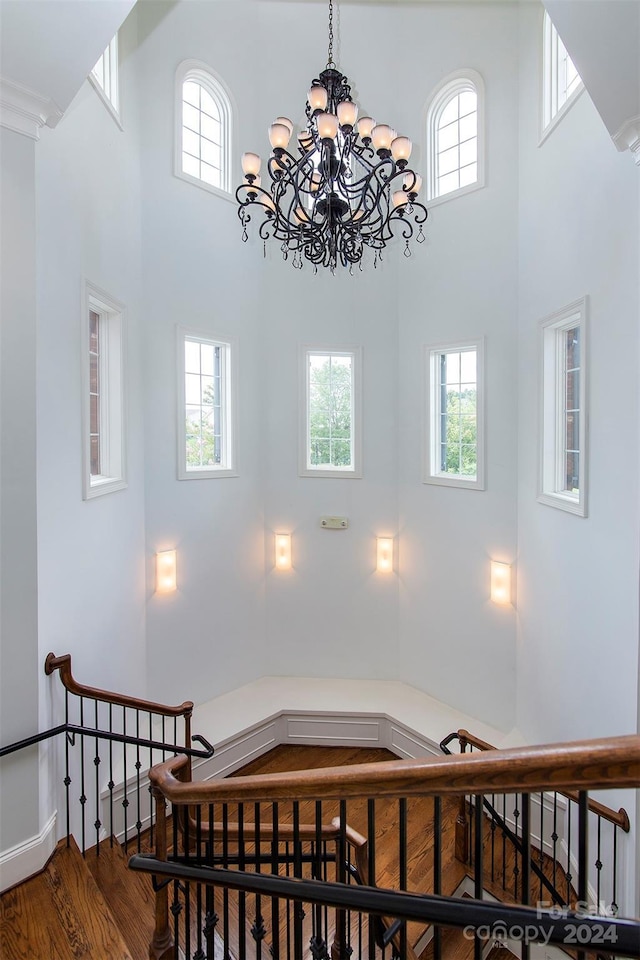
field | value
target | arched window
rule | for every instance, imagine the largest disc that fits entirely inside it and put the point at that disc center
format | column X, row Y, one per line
column 203, row 128
column 562, row 82
column 455, row 136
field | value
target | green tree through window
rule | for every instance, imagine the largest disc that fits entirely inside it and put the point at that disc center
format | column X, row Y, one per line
column 330, row 411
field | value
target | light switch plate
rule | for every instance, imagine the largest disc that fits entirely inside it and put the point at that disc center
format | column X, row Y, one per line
column 334, row 523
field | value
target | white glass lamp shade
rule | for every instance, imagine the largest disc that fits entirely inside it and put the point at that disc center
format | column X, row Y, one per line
column 250, row 164
column 347, row 113
column 399, row 198
column 382, row 135
column 166, row 567
column 365, row 126
column 279, row 136
column 266, row 201
column 327, row 126
column 384, row 559
column 301, row 215
column 401, row 148
column 316, row 180
column 283, row 551
column 317, row 97
column 285, row 123
column 412, row 182
column 500, row 582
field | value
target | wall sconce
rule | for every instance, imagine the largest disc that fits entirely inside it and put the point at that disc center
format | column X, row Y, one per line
column 283, row 551
column 384, row 562
column 166, row 571
column 500, row 582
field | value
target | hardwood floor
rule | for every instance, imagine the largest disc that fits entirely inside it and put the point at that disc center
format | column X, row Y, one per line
column 97, row 908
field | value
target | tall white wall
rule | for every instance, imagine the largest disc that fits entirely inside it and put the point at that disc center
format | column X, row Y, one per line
column 456, row 644
column 578, row 578
column 19, row 813
column 90, row 553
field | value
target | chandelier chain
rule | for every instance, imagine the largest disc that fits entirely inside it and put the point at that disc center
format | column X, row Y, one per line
column 330, row 61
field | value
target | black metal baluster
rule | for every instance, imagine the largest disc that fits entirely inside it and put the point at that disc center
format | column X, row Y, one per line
column 225, row 890
column 96, row 760
column 211, row 918
column 176, row 906
column 287, row 872
column 67, row 777
column 298, row 911
column 598, row 862
column 275, row 903
column 371, row 868
column 516, row 869
column 437, row 870
column 478, row 868
column 541, row 861
column 242, row 897
column 569, row 876
column 318, row 944
column 149, row 787
column 83, row 796
column 111, row 784
column 138, row 766
column 526, row 862
column 492, row 825
column 125, row 799
column 614, row 901
column 199, row 954
column 583, row 854
column 554, row 838
column 402, row 856
column 258, row 931
column 504, row 843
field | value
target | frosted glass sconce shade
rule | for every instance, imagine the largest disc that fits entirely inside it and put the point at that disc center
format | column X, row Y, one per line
column 283, row 551
column 500, row 582
column 384, row 562
column 166, row 571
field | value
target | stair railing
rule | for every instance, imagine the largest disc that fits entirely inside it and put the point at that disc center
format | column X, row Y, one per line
column 122, row 735
column 253, row 877
column 558, row 866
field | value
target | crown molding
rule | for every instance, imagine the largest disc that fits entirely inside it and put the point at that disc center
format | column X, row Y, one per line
column 628, row 137
column 25, row 111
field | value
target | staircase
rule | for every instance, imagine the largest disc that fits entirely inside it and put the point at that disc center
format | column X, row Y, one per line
column 320, row 854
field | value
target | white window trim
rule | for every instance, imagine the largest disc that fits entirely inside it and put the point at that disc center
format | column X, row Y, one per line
column 113, row 410
column 203, row 74
column 230, row 409
column 114, row 68
column 431, row 404
column 435, row 105
column 551, row 389
column 355, row 352
column 547, row 127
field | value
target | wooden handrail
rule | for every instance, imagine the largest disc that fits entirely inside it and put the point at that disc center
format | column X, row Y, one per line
column 63, row 665
column 588, row 764
column 619, row 817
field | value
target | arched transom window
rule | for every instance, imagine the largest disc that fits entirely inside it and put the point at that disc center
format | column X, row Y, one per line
column 455, row 137
column 203, row 149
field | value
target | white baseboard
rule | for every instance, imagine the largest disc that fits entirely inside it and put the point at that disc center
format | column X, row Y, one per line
column 29, row 857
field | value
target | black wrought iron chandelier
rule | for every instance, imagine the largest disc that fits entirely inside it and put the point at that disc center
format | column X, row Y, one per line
column 348, row 190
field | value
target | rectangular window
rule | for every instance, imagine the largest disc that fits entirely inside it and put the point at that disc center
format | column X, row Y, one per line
column 563, row 442
column 455, row 415
column 330, row 423
column 104, row 78
column 205, row 430
column 561, row 80
column 103, row 405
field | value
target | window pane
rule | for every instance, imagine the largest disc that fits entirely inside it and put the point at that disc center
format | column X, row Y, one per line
column 190, row 142
column 448, row 136
column 468, row 366
column 191, row 92
column 572, row 347
column 94, row 456
column 469, row 174
column 450, row 113
column 190, row 165
column 572, row 399
column 191, row 356
column 468, row 460
column 341, row 453
column 211, row 129
column 453, row 367
column 192, row 388
column 573, row 432
column 448, row 183
column 207, row 390
column 207, row 351
column 468, row 152
column 448, row 161
column 210, row 153
column 210, row 174
column 469, row 126
column 468, row 103
column 572, row 473
column 208, row 105
column 190, row 117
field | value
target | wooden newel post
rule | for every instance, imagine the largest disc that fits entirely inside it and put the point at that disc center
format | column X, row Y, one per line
column 161, row 946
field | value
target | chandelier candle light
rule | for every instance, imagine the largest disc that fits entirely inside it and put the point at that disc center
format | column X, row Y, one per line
column 345, row 188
